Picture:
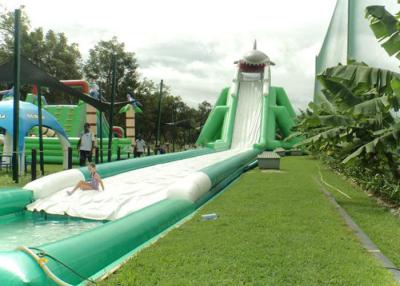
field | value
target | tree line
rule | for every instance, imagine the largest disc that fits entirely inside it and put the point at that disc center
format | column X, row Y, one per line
column 61, row 59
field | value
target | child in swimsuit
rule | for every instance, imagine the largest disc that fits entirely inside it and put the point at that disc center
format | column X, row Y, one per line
column 93, row 184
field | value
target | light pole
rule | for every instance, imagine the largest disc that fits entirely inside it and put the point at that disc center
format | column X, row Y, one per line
column 113, row 92
column 17, row 66
column 159, row 114
column 101, row 130
column 174, row 127
column 40, row 119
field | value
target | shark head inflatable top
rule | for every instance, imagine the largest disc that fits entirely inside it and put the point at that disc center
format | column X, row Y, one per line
column 254, row 61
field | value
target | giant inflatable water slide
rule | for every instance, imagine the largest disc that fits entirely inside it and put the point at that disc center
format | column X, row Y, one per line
column 50, row 238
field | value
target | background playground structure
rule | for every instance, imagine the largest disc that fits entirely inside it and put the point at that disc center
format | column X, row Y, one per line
column 28, row 73
column 72, row 118
column 67, row 121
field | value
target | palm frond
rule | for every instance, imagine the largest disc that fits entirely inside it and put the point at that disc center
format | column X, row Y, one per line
column 385, row 28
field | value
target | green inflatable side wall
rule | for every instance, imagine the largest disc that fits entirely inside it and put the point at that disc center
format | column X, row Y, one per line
column 114, row 168
column 101, row 246
column 221, row 170
column 278, row 117
column 218, row 129
column 93, row 250
column 14, row 200
column 211, row 131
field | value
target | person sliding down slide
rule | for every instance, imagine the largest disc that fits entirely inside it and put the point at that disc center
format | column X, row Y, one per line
column 93, row 184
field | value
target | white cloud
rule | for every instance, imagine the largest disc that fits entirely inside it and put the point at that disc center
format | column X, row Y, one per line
column 192, row 44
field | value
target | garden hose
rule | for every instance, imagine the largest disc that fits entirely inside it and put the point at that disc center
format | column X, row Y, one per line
column 42, row 264
column 41, row 260
column 330, row 186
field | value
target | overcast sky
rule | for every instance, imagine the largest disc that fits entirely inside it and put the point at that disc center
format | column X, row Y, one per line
column 192, row 44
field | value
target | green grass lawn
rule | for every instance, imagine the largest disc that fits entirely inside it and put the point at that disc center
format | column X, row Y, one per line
column 274, row 228
column 381, row 226
column 6, row 177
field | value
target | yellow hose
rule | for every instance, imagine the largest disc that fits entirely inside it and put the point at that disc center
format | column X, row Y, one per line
column 330, row 186
column 41, row 261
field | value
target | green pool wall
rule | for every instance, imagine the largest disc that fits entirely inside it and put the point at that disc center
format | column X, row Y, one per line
column 101, row 246
column 14, row 200
column 19, row 269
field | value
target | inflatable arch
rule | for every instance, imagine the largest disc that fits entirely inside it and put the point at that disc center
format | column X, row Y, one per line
column 28, row 118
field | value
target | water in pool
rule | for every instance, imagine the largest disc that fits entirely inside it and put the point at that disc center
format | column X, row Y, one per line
column 34, row 229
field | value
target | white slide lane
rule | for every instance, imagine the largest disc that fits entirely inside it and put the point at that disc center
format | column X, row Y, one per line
column 135, row 190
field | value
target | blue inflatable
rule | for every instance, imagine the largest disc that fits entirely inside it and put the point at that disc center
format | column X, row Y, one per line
column 28, row 118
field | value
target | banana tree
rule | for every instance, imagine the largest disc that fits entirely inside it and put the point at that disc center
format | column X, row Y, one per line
column 386, row 28
column 357, row 127
column 358, row 122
